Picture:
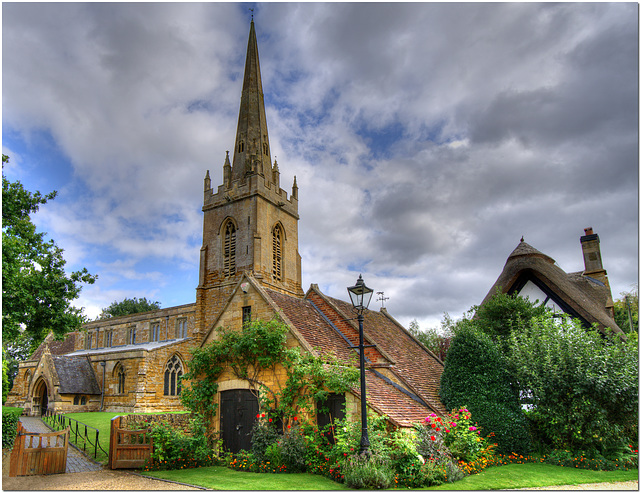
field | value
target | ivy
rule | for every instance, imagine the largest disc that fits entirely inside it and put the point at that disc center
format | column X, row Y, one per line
column 254, row 354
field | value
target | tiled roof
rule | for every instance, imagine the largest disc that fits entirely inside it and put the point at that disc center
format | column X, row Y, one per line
column 332, row 331
column 56, row 347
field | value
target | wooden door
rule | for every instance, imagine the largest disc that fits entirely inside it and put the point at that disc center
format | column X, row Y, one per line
column 330, row 410
column 238, row 412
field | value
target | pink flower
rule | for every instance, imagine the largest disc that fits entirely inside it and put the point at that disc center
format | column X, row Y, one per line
column 432, row 415
column 453, row 424
column 447, row 430
column 472, row 428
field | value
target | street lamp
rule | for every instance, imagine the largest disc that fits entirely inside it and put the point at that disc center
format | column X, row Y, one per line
column 360, row 296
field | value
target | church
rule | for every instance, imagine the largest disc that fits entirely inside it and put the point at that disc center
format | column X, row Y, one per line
column 250, row 268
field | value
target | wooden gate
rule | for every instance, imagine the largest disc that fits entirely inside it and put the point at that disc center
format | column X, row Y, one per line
column 128, row 448
column 39, row 454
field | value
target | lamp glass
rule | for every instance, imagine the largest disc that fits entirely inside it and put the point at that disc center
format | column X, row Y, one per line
column 360, row 294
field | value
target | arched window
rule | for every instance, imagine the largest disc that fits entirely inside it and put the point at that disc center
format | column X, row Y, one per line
column 277, row 252
column 229, row 250
column 76, row 400
column 241, row 146
column 83, row 400
column 120, row 375
column 172, row 376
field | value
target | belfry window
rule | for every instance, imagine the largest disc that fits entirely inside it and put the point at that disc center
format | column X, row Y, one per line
column 241, row 146
column 265, row 148
column 277, row 252
column 229, row 254
column 172, row 376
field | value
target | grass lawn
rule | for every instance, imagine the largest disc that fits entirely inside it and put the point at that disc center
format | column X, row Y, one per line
column 501, row 477
column 528, row 475
column 9, row 410
column 220, row 478
column 102, row 422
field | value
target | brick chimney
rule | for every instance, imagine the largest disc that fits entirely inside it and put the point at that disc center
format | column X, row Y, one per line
column 593, row 262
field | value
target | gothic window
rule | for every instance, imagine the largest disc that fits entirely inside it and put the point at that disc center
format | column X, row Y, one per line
column 241, row 146
column 76, row 400
column 120, row 376
column 277, row 252
column 181, row 328
column 83, row 400
column 229, row 253
column 155, row 332
column 172, row 377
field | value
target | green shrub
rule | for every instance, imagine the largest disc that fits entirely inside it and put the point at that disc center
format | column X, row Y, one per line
column 583, row 386
column 10, row 418
column 362, row 472
column 264, row 434
column 294, row 450
column 475, row 374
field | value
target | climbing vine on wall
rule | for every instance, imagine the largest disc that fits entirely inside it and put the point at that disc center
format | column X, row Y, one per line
column 253, row 354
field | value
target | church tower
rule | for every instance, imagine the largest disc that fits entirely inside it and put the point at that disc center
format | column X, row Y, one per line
column 250, row 224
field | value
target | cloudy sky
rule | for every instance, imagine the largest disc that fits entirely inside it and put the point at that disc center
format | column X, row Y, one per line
column 426, row 138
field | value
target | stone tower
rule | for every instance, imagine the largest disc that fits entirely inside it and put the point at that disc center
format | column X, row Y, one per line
column 250, row 224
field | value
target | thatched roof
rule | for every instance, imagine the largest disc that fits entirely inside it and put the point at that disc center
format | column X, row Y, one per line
column 585, row 297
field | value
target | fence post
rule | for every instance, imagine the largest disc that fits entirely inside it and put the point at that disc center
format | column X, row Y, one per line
column 17, row 452
column 95, row 448
column 115, row 425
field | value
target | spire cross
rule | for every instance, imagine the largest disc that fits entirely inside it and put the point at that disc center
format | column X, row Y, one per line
column 251, row 13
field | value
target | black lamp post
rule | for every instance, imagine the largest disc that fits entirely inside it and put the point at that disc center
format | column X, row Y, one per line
column 360, row 297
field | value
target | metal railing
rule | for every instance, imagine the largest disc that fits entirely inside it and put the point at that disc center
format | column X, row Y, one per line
column 79, row 430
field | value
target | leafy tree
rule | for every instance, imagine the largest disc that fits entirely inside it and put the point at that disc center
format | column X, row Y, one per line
column 627, row 302
column 583, row 388
column 36, row 291
column 475, row 376
column 128, row 306
column 437, row 342
column 502, row 313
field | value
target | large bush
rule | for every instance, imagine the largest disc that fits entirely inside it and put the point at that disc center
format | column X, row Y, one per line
column 583, row 387
column 475, row 375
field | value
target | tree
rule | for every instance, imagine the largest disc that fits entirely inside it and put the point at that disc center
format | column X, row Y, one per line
column 128, row 306
column 583, row 387
column 437, row 342
column 475, row 376
column 628, row 303
column 36, row 291
column 502, row 313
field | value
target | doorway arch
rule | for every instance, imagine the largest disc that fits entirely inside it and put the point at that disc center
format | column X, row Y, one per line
column 40, row 399
column 237, row 416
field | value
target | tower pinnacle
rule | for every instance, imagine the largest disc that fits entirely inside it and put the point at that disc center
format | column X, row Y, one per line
column 252, row 153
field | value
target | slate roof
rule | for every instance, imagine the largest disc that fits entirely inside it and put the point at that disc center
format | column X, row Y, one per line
column 76, row 376
column 146, row 346
column 327, row 325
column 585, row 295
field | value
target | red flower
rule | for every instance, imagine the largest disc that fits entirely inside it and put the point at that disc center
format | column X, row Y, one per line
column 433, row 425
column 447, row 430
column 269, row 420
column 433, row 438
column 295, row 418
column 437, row 429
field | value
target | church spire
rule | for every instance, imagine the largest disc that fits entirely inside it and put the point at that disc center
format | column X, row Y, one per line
column 252, row 153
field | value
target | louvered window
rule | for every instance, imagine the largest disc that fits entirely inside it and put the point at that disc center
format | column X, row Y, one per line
column 229, row 255
column 277, row 253
column 172, row 377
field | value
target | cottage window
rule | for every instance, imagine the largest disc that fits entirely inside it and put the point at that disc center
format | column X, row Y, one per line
column 76, row 400
column 229, row 253
column 83, row 400
column 172, row 377
column 246, row 315
column 277, row 252
column 120, row 379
